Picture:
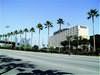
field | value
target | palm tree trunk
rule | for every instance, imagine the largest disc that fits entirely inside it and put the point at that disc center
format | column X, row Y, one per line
column 69, row 45
column 25, row 41
column 11, row 38
column 8, row 38
column 94, row 47
column 20, row 37
column 77, row 44
column 39, row 38
column 69, row 39
column 25, row 37
column 31, row 37
column 48, row 36
column 60, row 27
column 3, row 38
column 16, row 38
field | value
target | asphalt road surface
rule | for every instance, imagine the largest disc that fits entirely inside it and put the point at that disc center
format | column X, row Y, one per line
column 53, row 64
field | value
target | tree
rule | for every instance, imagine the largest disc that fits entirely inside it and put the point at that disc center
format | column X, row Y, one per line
column 91, row 15
column 60, row 22
column 25, row 30
column 3, row 37
column 20, row 32
column 8, row 34
column 64, row 44
column 76, row 41
column 15, row 33
column 0, row 37
column 32, row 30
column 69, row 39
column 40, row 27
column 84, row 43
column 48, row 24
column 35, row 48
column 11, row 35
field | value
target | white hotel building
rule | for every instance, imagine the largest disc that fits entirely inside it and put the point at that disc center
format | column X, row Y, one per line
column 58, row 36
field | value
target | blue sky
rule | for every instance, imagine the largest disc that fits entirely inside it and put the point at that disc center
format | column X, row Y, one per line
column 20, row 14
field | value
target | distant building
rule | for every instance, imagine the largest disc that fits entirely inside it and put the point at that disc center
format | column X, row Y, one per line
column 59, row 36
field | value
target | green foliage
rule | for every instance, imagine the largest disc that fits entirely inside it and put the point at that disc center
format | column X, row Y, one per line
column 60, row 22
column 35, row 48
column 25, row 30
column 32, row 30
column 51, row 49
column 40, row 26
column 64, row 43
column 48, row 24
column 93, row 13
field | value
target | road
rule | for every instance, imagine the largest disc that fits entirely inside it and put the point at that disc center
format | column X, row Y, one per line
column 71, row 65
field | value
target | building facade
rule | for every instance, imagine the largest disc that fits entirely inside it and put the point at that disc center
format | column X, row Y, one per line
column 58, row 36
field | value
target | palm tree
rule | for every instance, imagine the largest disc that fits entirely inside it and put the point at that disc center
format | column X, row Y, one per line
column 40, row 27
column 5, row 35
column 48, row 24
column 69, row 41
column 5, row 38
column 25, row 30
column 77, row 40
column 20, row 32
column 8, row 34
column 15, row 33
column 0, row 37
column 91, row 15
column 60, row 22
column 11, row 35
column 32, row 30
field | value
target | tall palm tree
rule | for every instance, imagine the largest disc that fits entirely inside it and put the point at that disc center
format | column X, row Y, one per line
column 11, row 35
column 15, row 33
column 40, row 27
column 91, row 15
column 25, row 30
column 5, row 35
column 69, row 41
column 32, row 30
column 0, row 37
column 60, row 22
column 48, row 24
column 8, row 34
column 5, row 38
column 20, row 32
